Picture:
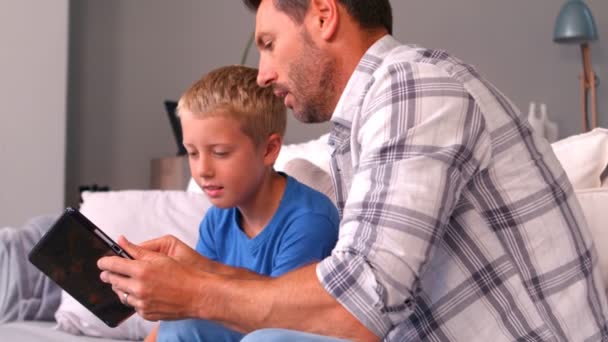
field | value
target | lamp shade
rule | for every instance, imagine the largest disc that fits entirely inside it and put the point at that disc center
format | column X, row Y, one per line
column 575, row 24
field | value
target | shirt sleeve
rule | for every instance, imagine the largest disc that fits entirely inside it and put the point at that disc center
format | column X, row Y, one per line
column 419, row 139
column 309, row 238
column 206, row 243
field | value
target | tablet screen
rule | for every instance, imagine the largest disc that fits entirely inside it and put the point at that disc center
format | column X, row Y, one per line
column 68, row 254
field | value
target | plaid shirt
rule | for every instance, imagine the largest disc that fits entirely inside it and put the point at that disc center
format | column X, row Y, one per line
column 458, row 224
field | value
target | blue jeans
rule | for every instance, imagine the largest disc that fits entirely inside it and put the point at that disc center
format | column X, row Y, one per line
column 195, row 330
column 281, row 335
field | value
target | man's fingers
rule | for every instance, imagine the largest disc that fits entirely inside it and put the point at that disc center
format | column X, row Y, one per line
column 156, row 245
column 120, row 284
column 118, row 265
column 137, row 252
column 126, row 297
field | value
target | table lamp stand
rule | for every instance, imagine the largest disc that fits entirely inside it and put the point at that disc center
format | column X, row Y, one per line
column 588, row 85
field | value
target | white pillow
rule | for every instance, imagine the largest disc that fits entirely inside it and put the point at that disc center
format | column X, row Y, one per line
column 584, row 157
column 139, row 216
column 310, row 174
column 193, row 187
column 315, row 151
column 595, row 207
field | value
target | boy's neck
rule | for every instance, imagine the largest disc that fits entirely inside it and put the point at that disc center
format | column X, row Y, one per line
column 255, row 217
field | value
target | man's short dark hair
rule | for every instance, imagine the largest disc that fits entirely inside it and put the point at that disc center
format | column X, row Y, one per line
column 369, row 13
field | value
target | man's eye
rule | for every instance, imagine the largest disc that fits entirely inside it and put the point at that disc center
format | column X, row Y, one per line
column 268, row 45
column 220, row 153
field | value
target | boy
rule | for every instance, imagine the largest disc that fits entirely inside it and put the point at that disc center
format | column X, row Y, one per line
column 261, row 220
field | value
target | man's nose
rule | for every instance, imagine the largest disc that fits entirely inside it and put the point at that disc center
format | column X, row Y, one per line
column 266, row 76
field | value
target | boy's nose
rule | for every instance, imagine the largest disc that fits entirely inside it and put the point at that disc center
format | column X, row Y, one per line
column 204, row 169
column 206, row 172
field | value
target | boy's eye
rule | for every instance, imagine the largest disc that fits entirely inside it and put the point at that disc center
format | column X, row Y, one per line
column 220, row 153
column 268, row 45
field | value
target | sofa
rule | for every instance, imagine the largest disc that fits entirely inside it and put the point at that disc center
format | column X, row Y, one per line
column 32, row 308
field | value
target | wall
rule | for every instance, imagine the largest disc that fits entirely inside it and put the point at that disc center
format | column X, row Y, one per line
column 510, row 43
column 153, row 49
column 33, row 86
column 120, row 74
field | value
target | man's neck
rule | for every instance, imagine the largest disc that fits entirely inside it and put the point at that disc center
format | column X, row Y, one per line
column 349, row 53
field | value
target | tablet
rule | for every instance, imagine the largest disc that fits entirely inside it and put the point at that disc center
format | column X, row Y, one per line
column 68, row 254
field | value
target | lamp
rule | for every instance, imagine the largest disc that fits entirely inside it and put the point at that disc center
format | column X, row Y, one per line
column 247, row 48
column 575, row 25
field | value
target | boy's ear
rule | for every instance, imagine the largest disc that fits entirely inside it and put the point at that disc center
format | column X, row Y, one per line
column 273, row 147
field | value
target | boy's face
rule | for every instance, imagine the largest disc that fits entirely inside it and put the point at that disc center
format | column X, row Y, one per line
column 224, row 161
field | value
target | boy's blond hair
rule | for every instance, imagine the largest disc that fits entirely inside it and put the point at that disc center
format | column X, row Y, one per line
column 232, row 91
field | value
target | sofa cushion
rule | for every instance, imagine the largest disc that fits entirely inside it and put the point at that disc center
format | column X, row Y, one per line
column 595, row 208
column 25, row 292
column 312, row 175
column 584, row 157
column 139, row 216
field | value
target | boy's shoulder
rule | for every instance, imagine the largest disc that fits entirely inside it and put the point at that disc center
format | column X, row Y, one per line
column 304, row 214
column 218, row 216
column 299, row 202
column 300, row 198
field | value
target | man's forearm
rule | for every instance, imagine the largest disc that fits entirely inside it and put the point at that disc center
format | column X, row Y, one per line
column 232, row 272
column 294, row 301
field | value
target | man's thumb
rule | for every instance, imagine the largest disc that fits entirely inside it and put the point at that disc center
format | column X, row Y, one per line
column 134, row 250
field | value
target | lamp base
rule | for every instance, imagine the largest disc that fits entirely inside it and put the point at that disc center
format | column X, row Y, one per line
column 588, row 85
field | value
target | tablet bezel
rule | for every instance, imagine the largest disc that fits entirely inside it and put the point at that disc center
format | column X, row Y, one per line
column 50, row 258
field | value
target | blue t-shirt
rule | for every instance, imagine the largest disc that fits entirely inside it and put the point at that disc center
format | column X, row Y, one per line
column 303, row 229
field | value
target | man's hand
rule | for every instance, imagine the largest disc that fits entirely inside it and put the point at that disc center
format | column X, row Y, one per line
column 161, row 287
column 158, row 285
column 172, row 247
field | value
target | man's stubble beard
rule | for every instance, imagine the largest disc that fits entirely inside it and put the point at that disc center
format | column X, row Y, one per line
column 313, row 77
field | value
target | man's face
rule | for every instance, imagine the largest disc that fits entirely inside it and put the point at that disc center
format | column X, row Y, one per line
column 298, row 70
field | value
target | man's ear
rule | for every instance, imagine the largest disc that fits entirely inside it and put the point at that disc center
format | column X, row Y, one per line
column 325, row 17
column 273, row 147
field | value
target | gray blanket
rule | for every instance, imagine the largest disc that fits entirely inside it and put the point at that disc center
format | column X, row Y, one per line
column 25, row 293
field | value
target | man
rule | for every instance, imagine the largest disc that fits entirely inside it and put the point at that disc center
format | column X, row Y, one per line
column 457, row 224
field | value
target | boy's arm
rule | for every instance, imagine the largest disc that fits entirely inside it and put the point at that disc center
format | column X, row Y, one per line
column 308, row 238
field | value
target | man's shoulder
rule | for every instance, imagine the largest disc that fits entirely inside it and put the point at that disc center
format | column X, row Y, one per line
column 422, row 62
column 390, row 56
